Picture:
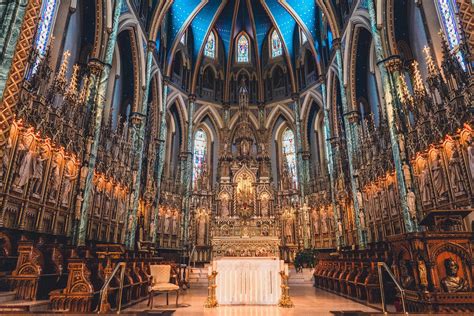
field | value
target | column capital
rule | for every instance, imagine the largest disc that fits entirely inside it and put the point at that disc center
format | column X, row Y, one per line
column 295, row 96
column 192, row 98
column 137, row 118
column 95, row 66
column 167, row 80
column 393, row 63
column 151, row 46
column 336, row 43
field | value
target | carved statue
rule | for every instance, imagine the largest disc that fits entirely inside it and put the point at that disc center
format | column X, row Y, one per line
column 439, row 179
column 470, row 154
column 456, row 173
column 264, row 203
column 70, row 175
column 406, row 279
column 339, row 226
column 6, row 159
column 244, row 148
column 38, row 172
column 422, row 272
column 168, row 222
column 225, row 206
column 201, row 229
column 289, row 229
column 55, row 178
column 453, row 283
column 425, row 185
column 411, row 203
column 152, row 228
column 315, row 216
column 26, row 169
column 174, row 223
column 130, row 222
column 360, row 201
column 324, row 221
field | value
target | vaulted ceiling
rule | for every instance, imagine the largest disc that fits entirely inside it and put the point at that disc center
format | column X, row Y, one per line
column 256, row 17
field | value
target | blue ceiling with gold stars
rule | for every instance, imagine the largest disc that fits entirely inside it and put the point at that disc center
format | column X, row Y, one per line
column 255, row 17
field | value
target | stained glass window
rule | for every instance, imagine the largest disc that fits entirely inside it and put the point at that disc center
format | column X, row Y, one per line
column 200, row 154
column 304, row 39
column 243, row 49
column 183, row 39
column 276, row 45
column 447, row 10
column 45, row 28
column 289, row 153
column 210, row 49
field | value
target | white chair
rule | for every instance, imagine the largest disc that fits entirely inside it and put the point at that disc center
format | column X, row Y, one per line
column 160, row 282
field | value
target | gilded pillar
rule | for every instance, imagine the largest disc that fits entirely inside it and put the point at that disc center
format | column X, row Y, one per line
column 97, row 94
column 138, row 143
column 160, row 159
column 390, row 94
column 351, row 141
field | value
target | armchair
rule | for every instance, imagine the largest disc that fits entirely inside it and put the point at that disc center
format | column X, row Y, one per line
column 160, row 282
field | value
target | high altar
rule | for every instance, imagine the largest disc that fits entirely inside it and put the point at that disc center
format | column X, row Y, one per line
column 244, row 216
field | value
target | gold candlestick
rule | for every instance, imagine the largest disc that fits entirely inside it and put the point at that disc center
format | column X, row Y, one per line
column 211, row 301
column 285, row 300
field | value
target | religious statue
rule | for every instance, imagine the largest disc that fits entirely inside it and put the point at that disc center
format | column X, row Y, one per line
column 55, row 178
column 26, row 169
column 439, row 179
column 425, row 185
column 38, row 172
column 152, row 228
column 339, row 226
column 6, row 158
column 168, row 222
column 264, row 206
column 315, row 216
column 244, row 148
column 130, row 222
column 289, row 229
column 411, row 203
column 470, row 154
column 324, row 221
column 70, row 176
column 406, row 279
column 456, row 172
column 225, row 205
column 423, row 273
column 360, row 201
column 201, row 229
column 174, row 227
column 453, row 283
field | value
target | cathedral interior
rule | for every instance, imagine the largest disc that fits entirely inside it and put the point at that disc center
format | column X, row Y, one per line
column 334, row 136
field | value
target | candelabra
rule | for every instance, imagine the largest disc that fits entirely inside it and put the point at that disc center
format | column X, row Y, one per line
column 285, row 300
column 211, row 301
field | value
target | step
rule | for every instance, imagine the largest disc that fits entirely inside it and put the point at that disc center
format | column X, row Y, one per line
column 24, row 306
column 7, row 296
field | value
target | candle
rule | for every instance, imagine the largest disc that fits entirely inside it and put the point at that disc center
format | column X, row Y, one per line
column 286, row 270
column 282, row 265
column 209, row 270
column 214, row 265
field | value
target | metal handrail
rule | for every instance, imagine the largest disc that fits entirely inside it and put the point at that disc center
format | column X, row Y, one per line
column 191, row 260
column 121, row 266
column 381, row 265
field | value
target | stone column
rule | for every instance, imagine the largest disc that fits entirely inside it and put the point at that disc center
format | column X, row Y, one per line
column 97, row 93
column 351, row 141
column 329, row 158
column 138, row 141
column 160, row 159
column 188, row 172
column 390, row 96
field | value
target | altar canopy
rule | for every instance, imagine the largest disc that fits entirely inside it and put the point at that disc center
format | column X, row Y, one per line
column 248, row 281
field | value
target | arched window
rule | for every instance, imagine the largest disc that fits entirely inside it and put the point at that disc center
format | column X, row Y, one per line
column 447, row 11
column 243, row 47
column 45, row 28
column 289, row 153
column 276, row 45
column 199, row 154
column 210, row 49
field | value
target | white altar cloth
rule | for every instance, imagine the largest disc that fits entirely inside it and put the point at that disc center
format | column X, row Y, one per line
column 248, row 281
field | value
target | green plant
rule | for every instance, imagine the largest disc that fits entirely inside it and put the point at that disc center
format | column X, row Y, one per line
column 305, row 259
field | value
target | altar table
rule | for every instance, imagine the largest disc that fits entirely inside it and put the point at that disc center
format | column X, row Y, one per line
column 251, row 281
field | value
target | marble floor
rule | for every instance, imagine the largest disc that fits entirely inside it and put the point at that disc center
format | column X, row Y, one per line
column 307, row 300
